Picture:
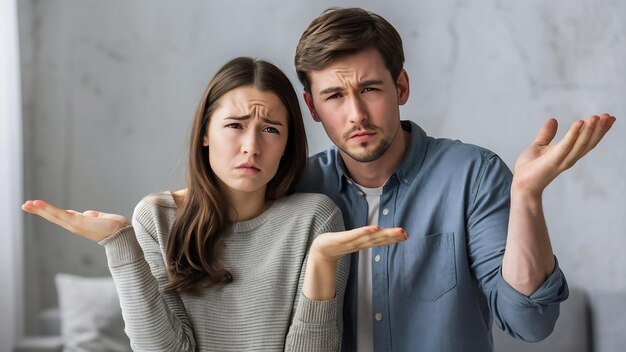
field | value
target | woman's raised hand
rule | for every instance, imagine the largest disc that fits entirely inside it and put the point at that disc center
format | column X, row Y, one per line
column 91, row 224
column 332, row 246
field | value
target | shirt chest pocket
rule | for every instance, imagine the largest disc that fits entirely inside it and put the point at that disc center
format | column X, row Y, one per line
column 428, row 266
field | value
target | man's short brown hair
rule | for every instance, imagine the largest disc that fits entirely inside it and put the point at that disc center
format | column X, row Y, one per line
column 340, row 32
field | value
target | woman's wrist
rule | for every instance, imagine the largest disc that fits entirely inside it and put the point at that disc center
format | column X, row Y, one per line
column 320, row 280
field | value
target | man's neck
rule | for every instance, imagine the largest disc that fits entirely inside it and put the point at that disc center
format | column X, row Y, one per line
column 375, row 173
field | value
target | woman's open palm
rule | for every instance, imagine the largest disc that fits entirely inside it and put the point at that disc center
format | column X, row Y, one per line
column 91, row 224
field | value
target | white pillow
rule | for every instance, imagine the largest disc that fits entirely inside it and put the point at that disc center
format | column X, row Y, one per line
column 91, row 317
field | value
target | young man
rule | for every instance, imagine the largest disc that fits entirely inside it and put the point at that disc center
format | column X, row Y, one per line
column 478, row 246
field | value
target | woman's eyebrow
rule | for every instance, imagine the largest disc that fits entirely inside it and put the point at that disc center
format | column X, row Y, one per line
column 246, row 117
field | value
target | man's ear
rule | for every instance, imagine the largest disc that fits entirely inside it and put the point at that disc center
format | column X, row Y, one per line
column 308, row 99
column 402, row 85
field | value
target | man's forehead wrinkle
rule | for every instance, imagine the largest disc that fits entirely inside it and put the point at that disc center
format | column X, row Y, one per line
column 346, row 75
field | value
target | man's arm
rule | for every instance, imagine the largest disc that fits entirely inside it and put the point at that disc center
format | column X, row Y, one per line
column 528, row 259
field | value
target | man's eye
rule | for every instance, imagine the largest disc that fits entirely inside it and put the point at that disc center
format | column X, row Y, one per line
column 334, row 96
column 271, row 130
column 369, row 89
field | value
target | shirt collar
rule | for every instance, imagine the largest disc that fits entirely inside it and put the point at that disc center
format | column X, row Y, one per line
column 408, row 168
column 415, row 153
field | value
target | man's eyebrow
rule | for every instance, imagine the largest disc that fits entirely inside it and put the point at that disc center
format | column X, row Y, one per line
column 330, row 90
column 369, row 82
column 246, row 117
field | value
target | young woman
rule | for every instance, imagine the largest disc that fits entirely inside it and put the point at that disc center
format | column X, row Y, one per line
column 235, row 261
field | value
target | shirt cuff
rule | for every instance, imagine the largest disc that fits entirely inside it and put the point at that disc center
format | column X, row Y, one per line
column 552, row 291
column 316, row 312
column 122, row 247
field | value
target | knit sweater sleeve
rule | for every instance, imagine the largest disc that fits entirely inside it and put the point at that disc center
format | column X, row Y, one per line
column 318, row 325
column 155, row 320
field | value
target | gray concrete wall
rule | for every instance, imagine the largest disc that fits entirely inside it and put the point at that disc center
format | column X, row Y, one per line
column 110, row 88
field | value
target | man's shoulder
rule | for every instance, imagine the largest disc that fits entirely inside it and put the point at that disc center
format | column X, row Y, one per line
column 321, row 173
column 326, row 159
column 456, row 152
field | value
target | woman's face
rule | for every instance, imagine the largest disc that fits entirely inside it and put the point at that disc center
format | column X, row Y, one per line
column 246, row 136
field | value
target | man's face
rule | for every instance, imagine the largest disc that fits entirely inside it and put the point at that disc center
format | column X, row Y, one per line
column 357, row 102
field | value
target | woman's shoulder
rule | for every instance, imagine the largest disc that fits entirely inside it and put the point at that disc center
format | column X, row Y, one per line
column 310, row 202
column 154, row 207
column 165, row 199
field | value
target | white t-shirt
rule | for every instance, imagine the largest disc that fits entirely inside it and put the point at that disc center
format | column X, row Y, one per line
column 365, row 319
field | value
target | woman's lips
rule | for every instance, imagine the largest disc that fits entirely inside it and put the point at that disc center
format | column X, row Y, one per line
column 248, row 169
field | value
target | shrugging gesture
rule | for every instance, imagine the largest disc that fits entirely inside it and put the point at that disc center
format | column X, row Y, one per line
column 91, row 224
column 528, row 258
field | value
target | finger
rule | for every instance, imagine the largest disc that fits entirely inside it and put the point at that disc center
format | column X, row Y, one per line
column 567, row 143
column 28, row 206
column 546, row 133
column 380, row 238
column 580, row 144
column 64, row 218
column 56, row 212
column 593, row 132
column 357, row 233
column 92, row 213
column 603, row 126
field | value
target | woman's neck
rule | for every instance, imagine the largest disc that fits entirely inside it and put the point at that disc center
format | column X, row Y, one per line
column 246, row 205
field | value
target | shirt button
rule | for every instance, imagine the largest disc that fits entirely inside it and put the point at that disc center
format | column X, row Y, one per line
column 385, row 211
column 361, row 194
column 378, row 317
column 377, row 258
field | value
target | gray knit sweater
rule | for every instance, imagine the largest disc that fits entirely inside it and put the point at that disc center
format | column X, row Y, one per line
column 263, row 309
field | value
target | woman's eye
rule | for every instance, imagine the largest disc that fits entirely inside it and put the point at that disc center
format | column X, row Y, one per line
column 234, row 125
column 271, row 130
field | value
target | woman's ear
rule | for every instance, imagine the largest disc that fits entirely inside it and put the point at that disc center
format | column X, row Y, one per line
column 205, row 140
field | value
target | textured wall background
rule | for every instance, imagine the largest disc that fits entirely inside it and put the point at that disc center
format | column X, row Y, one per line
column 110, row 88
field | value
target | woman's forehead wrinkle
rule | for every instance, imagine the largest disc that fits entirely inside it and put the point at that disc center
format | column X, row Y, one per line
column 259, row 109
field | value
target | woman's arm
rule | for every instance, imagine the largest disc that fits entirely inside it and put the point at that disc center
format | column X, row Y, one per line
column 328, row 248
column 155, row 320
column 318, row 320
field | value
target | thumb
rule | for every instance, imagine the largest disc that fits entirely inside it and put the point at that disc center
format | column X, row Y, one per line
column 547, row 133
column 92, row 213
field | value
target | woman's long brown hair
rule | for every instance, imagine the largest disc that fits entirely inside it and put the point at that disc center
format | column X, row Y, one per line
column 197, row 235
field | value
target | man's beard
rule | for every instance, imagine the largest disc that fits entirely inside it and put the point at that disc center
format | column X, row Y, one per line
column 366, row 157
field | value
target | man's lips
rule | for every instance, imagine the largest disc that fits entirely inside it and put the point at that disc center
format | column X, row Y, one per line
column 361, row 136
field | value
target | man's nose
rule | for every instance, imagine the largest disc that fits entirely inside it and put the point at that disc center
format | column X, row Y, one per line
column 356, row 110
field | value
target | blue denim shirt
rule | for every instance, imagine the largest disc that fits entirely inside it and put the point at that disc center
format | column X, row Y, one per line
column 440, row 289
